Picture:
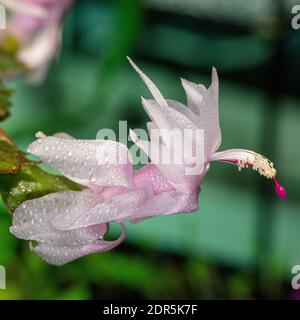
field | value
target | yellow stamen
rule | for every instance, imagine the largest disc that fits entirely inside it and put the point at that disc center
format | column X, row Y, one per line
column 260, row 164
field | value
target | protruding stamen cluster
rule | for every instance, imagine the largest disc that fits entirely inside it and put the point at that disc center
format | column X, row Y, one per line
column 260, row 164
column 263, row 166
column 241, row 164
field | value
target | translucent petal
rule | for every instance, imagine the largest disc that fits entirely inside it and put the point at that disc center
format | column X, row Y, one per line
column 195, row 95
column 176, row 174
column 179, row 125
column 168, row 202
column 174, row 117
column 34, row 218
column 75, row 237
column 59, row 255
column 89, row 162
column 152, row 175
column 183, row 109
column 151, row 86
column 207, row 104
column 117, row 208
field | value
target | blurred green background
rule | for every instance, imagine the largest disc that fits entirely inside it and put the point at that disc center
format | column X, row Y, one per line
column 243, row 241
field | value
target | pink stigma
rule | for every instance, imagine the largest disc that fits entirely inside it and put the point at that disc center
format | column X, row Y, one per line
column 280, row 191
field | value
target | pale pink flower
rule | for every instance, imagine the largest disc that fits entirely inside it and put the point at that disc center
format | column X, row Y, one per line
column 37, row 25
column 72, row 224
column 202, row 112
column 68, row 225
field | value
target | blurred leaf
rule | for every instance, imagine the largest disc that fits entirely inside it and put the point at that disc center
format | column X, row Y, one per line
column 77, row 292
column 29, row 183
column 10, row 65
column 4, row 101
column 8, row 243
column 11, row 158
column 240, row 286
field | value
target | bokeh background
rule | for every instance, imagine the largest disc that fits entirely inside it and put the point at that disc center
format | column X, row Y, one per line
column 243, row 241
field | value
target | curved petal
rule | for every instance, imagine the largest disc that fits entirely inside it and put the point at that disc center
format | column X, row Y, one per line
column 152, row 175
column 158, row 116
column 33, row 219
column 152, row 196
column 168, row 202
column 176, row 174
column 151, row 86
column 173, row 117
column 166, row 199
column 178, row 129
column 75, row 237
column 41, row 51
column 89, row 162
column 59, row 255
column 205, row 104
column 202, row 114
column 117, row 208
column 183, row 109
column 195, row 94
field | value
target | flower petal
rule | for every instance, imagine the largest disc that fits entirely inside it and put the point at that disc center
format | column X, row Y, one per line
column 151, row 86
column 171, row 117
column 59, row 255
column 89, row 162
column 117, row 208
column 183, row 109
column 179, row 129
column 176, row 174
column 195, row 95
column 168, row 202
column 207, row 103
column 153, row 196
column 152, row 175
column 33, row 219
column 41, row 51
column 75, row 237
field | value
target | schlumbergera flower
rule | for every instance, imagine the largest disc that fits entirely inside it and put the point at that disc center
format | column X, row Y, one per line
column 202, row 112
column 36, row 26
column 72, row 224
